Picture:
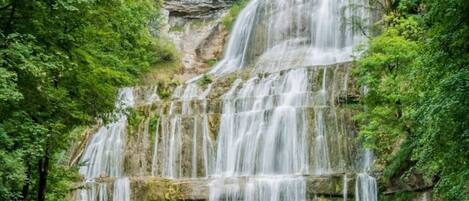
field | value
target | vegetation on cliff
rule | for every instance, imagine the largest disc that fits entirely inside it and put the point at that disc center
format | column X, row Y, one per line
column 61, row 62
column 416, row 79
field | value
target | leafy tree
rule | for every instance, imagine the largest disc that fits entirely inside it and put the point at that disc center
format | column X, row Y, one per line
column 417, row 75
column 61, row 62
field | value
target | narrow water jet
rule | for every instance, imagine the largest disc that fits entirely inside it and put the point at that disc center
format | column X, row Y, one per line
column 366, row 188
column 121, row 191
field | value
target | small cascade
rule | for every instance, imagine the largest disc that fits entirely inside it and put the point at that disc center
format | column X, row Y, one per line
column 104, row 155
column 366, row 188
column 268, row 188
column 121, row 190
column 258, row 117
column 282, row 34
column 321, row 156
column 345, row 187
column 263, row 136
column 173, row 126
column 235, row 54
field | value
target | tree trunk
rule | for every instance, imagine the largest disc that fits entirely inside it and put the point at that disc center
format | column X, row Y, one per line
column 25, row 190
column 9, row 23
column 43, row 173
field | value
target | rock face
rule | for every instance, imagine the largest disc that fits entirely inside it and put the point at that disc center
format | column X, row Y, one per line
column 170, row 145
column 271, row 121
column 200, row 9
column 195, row 28
column 143, row 188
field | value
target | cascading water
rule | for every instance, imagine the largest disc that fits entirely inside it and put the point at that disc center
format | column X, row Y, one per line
column 283, row 34
column 171, row 130
column 264, row 131
column 103, row 156
column 366, row 187
column 273, row 131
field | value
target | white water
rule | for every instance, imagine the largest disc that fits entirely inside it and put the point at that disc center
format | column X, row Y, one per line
column 171, row 131
column 290, row 33
column 264, row 114
column 104, row 155
column 275, row 128
column 366, row 188
column 264, row 131
column 345, row 188
column 121, row 190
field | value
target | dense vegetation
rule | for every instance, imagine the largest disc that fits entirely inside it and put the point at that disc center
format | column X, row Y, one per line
column 61, row 62
column 416, row 76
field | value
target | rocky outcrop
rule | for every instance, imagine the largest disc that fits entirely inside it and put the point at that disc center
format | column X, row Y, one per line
column 141, row 138
column 171, row 144
column 155, row 188
column 196, row 9
column 195, row 27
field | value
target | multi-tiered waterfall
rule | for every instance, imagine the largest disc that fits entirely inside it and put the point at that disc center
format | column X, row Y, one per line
column 273, row 125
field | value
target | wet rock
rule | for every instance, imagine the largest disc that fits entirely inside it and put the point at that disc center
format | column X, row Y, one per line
column 155, row 188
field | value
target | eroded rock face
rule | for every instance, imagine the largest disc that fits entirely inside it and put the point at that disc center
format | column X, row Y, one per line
column 196, row 8
column 155, row 188
column 184, row 147
column 175, row 138
column 195, row 27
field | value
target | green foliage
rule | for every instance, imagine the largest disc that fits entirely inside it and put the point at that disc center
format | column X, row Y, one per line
column 165, row 88
column 134, row 118
column 61, row 179
column 401, row 196
column 235, row 9
column 205, row 80
column 383, row 70
column 61, row 63
column 153, row 126
column 212, row 62
column 176, row 28
column 400, row 162
column 417, row 75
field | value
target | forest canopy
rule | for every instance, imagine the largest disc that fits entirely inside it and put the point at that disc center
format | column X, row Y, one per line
column 61, row 62
column 416, row 72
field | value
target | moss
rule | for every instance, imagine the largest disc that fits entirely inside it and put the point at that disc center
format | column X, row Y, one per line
column 212, row 62
column 401, row 162
column 153, row 126
column 205, row 80
column 235, row 9
column 161, row 190
column 134, row 118
column 400, row 196
column 167, row 64
column 197, row 23
column 176, row 28
column 165, row 88
column 164, row 93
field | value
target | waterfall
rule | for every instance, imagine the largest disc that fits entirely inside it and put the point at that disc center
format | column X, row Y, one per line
column 172, row 130
column 291, row 33
column 265, row 132
column 265, row 136
column 121, row 190
column 104, row 155
column 366, row 187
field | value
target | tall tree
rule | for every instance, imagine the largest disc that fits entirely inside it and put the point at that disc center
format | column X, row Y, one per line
column 61, row 62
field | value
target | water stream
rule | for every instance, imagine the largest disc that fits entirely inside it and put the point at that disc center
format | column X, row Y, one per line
column 104, row 155
column 276, row 129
